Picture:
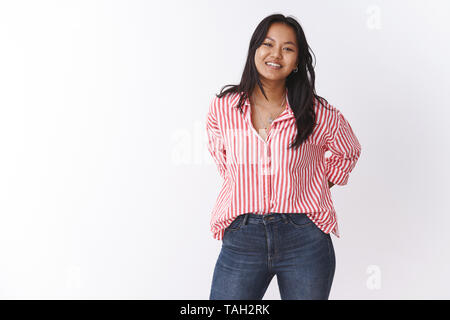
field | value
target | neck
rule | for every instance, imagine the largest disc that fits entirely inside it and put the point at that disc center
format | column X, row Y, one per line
column 275, row 96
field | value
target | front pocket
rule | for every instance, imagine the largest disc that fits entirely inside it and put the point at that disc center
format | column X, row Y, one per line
column 236, row 223
column 298, row 220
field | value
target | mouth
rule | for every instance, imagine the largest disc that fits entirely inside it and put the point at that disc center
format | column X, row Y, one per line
column 273, row 66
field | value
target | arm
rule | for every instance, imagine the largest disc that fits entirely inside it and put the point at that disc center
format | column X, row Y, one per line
column 216, row 145
column 345, row 150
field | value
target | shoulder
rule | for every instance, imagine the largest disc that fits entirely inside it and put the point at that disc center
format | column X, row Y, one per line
column 323, row 106
column 328, row 116
column 325, row 111
column 225, row 103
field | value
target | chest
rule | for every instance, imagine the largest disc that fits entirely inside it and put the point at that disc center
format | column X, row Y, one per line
column 262, row 121
column 247, row 141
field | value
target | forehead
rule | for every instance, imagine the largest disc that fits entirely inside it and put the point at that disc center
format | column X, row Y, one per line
column 280, row 32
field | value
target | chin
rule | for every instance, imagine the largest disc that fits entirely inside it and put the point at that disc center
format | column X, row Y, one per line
column 272, row 78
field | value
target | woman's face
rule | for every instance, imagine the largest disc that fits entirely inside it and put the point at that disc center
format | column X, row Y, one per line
column 280, row 46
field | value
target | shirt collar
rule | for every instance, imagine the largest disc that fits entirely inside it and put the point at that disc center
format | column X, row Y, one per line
column 246, row 104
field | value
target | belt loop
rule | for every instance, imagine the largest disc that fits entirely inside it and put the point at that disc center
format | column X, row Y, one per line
column 283, row 216
column 245, row 219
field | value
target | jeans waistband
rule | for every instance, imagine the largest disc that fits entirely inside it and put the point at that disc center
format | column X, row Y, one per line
column 264, row 218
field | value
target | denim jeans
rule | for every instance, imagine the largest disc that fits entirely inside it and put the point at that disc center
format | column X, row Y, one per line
column 288, row 245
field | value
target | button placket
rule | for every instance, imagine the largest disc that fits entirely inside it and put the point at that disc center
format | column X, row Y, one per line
column 267, row 197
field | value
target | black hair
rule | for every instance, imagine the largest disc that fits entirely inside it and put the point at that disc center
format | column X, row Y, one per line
column 300, row 84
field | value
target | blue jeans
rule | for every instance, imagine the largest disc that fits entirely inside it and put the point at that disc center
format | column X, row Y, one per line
column 257, row 247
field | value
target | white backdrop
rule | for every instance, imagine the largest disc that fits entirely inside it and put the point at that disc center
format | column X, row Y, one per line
column 106, row 185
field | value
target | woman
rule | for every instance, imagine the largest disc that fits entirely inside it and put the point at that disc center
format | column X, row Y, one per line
column 268, row 136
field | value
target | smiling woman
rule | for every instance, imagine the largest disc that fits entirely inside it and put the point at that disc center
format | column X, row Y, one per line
column 277, row 57
column 268, row 136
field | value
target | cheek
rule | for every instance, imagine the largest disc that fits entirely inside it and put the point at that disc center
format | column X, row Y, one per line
column 257, row 56
column 294, row 61
column 260, row 54
column 290, row 64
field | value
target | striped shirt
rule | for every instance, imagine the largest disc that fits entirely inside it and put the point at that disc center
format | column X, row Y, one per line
column 263, row 177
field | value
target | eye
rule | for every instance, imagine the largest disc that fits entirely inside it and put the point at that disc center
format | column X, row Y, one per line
column 269, row 45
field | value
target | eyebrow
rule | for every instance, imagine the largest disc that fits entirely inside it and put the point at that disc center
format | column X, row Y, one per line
column 287, row 42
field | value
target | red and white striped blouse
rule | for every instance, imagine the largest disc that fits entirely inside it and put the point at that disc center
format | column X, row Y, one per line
column 262, row 177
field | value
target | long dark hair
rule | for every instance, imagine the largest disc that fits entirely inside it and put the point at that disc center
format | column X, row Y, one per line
column 300, row 85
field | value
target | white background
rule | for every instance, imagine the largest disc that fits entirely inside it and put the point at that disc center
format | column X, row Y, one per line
column 106, row 185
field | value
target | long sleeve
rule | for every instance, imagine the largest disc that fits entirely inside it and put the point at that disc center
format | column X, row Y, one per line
column 215, row 140
column 345, row 150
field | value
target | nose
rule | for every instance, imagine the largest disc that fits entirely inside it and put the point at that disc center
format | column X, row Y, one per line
column 276, row 52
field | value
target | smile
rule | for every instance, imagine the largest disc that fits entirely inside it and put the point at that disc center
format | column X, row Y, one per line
column 273, row 65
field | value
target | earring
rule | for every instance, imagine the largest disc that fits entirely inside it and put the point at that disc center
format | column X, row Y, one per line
column 296, row 69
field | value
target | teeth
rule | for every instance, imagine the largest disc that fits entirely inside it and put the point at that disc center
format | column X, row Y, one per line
column 273, row 64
